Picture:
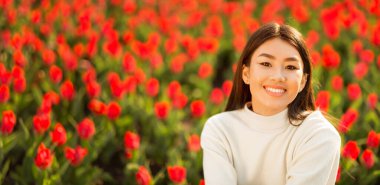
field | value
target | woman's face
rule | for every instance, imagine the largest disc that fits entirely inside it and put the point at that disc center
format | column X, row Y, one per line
column 275, row 76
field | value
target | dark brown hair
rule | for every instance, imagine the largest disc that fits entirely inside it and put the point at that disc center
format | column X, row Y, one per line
column 240, row 93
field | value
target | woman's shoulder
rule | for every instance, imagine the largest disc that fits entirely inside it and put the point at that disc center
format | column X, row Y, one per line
column 316, row 125
column 223, row 120
column 222, row 117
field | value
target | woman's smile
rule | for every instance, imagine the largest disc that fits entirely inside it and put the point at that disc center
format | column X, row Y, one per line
column 275, row 90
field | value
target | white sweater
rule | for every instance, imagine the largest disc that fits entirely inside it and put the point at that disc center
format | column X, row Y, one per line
column 245, row 148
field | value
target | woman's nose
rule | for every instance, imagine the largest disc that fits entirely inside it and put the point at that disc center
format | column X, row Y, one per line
column 278, row 75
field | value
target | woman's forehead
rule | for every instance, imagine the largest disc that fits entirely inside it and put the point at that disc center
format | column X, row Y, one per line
column 277, row 48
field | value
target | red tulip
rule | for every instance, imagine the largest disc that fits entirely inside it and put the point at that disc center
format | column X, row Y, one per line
column 205, row 70
column 230, row 8
column 86, row 129
column 55, row 74
column 176, row 64
column 337, row 83
column 75, row 156
column 139, row 76
column 97, row 107
column 152, row 87
column 194, row 143
column 375, row 37
column 17, row 41
column 372, row 100
column 214, row 27
column 202, row 182
column 92, row 45
column 227, row 87
column 368, row 158
column 216, row 96
column 329, row 18
column 35, row 16
column 155, row 60
column 197, row 108
column 208, row 44
column 154, row 40
column 113, row 110
column 360, row 70
column 58, row 135
column 315, row 57
column 5, row 76
column 239, row 43
column 177, row 174
column 354, row 91
column 48, row 56
column 357, row 46
column 143, row 176
column 17, row 72
column 117, row 88
column 67, row 90
column 43, row 158
column 367, row 56
column 8, row 122
column 141, row 49
column 19, row 84
column 179, row 101
column 70, row 61
column 312, row 38
column 131, row 140
column 4, row 93
column 79, row 50
column 373, row 139
column 171, row 46
column 323, row 100
column 331, row 58
column 93, row 89
column 41, row 123
column 191, row 46
column 347, row 120
column 51, row 97
column 162, row 109
column 351, row 150
column 130, row 83
column 300, row 13
column 129, row 63
column 128, row 36
column 11, row 15
column 113, row 47
column 338, row 174
column 173, row 89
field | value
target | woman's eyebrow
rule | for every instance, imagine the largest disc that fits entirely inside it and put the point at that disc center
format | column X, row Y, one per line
column 290, row 59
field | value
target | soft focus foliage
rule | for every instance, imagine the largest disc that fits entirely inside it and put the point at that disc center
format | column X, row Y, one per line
column 117, row 91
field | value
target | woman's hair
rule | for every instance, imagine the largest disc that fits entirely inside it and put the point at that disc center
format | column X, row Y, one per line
column 240, row 93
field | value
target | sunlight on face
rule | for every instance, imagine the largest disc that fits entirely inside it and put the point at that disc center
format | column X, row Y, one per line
column 275, row 76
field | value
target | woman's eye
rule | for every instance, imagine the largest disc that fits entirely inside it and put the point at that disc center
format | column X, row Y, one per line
column 267, row 64
column 291, row 67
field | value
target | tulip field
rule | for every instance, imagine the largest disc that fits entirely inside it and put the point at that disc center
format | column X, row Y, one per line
column 117, row 91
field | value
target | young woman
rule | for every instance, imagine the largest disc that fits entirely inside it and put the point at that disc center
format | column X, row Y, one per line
column 271, row 132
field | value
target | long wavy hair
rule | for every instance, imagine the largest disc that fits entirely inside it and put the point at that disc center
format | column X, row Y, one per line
column 240, row 93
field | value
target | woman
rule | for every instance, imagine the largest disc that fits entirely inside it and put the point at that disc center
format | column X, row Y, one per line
column 271, row 132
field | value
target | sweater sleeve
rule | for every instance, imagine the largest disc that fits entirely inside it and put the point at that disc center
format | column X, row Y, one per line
column 316, row 160
column 217, row 165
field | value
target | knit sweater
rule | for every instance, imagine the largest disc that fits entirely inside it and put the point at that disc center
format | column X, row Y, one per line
column 245, row 148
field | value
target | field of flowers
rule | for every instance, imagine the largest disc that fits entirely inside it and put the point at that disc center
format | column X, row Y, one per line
column 118, row 91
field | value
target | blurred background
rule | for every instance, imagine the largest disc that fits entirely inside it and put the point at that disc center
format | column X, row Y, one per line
column 118, row 91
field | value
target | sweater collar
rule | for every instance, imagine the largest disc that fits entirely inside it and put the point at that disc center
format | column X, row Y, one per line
column 265, row 123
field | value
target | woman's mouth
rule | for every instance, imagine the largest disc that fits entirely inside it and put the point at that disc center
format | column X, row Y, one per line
column 274, row 91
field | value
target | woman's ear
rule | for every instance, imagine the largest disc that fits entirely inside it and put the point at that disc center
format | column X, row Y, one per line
column 245, row 74
column 303, row 81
